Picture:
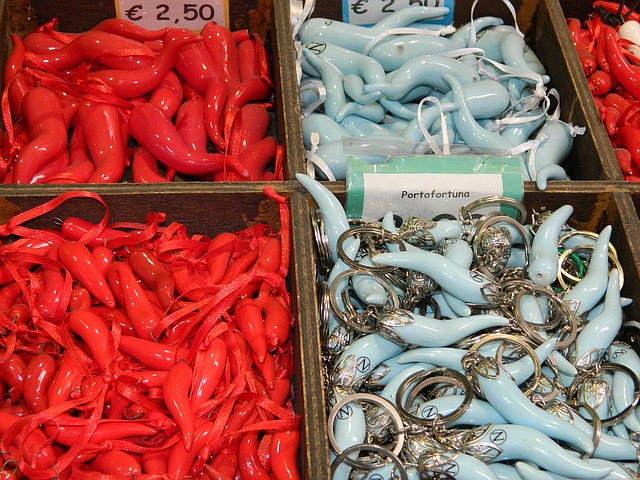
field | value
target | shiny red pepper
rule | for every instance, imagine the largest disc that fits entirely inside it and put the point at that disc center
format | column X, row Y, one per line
column 102, row 128
column 208, row 372
column 117, row 462
column 601, row 82
column 252, row 58
column 127, row 29
column 67, row 377
column 190, row 124
column 214, row 100
column 81, row 167
column 12, row 372
column 80, row 298
column 155, row 463
column 176, row 398
column 180, row 460
column 283, row 454
column 221, row 46
column 42, row 110
column 74, row 228
column 277, row 322
column 90, row 46
column 148, row 124
column 248, row 315
column 156, row 356
column 15, row 60
column 218, row 254
column 82, row 265
column 67, row 433
column 250, row 465
column 33, row 444
column 95, row 335
column 168, row 95
column 628, row 137
column 240, row 265
column 627, row 75
column 142, row 315
column 144, row 167
column 250, row 125
column 37, row 376
column 196, row 67
column 223, row 465
column 153, row 273
column 134, row 83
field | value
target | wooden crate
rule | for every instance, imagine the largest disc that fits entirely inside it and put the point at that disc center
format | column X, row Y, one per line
column 546, row 34
column 267, row 18
column 208, row 212
column 594, row 209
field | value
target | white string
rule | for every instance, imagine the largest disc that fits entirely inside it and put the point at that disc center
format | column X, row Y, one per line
column 425, row 132
column 318, row 86
column 314, row 162
column 299, row 12
column 531, row 163
column 472, row 29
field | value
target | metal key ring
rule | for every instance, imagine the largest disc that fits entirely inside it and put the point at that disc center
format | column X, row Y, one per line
column 502, row 337
column 325, row 260
column 584, row 233
column 563, row 309
column 424, row 379
column 370, row 398
column 574, row 391
column 346, row 318
column 367, row 229
column 344, row 457
column 595, row 421
column 464, row 214
column 562, row 273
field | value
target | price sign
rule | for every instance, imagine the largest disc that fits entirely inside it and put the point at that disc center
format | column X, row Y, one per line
column 368, row 12
column 192, row 15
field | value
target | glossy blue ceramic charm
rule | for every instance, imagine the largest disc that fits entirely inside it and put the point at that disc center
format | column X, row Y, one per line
column 405, row 327
column 588, row 292
column 543, row 265
column 333, row 214
column 508, row 442
column 508, row 400
column 452, row 278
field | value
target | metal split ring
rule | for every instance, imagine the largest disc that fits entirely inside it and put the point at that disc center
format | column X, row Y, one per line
column 344, row 457
column 563, row 310
column 506, row 338
column 369, row 398
column 419, row 381
column 350, row 318
column 465, row 212
column 575, row 389
column 563, row 273
column 372, row 230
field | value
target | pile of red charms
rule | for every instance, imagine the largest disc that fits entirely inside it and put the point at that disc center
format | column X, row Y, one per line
column 83, row 108
column 612, row 66
column 136, row 350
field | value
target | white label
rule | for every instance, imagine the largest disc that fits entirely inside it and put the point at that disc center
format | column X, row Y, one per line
column 365, row 12
column 424, row 194
column 192, row 15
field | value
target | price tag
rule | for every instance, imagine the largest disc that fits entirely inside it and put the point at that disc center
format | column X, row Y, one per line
column 369, row 12
column 429, row 185
column 192, row 15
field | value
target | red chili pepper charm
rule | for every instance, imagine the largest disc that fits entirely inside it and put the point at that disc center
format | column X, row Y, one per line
column 283, row 454
column 82, row 265
column 176, row 397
